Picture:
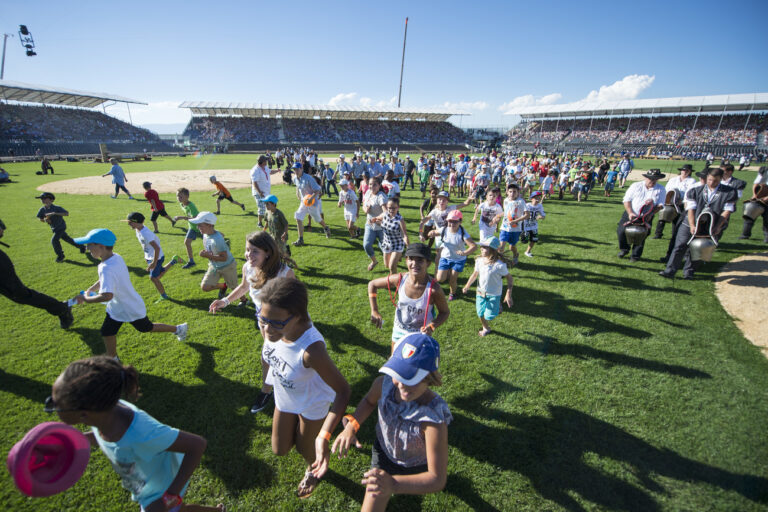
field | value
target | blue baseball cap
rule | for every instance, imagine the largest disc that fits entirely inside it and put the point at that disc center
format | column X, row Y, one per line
column 491, row 242
column 297, row 165
column 269, row 199
column 98, row 236
column 415, row 357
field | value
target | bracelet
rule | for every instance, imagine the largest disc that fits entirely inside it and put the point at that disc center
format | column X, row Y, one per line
column 352, row 421
column 372, row 295
column 325, row 435
column 171, row 500
column 225, row 301
column 432, row 326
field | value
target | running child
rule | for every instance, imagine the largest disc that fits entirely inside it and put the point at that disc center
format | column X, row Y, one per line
column 276, row 223
column 223, row 193
column 119, row 179
column 156, row 205
column 390, row 185
column 547, row 184
column 306, row 380
column 610, row 181
column 395, row 235
column 263, row 261
column 533, row 212
column 221, row 263
column 511, row 227
column 426, row 207
column 153, row 253
column 114, row 287
column 153, row 460
column 348, row 199
column 456, row 246
column 417, row 297
column 490, row 214
column 190, row 212
column 490, row 267
column 54, row 216
column 410, row 451
column 438, row 217
column 437, row 180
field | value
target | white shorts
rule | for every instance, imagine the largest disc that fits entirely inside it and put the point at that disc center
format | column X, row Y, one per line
column 315, row 211
column 315, row 411
column 350, row 216
column 486, row 231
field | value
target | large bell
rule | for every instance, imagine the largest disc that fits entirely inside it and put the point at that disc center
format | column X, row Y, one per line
column 668, row 213
column 635, row 234
column 753, row 210
column 702, row 248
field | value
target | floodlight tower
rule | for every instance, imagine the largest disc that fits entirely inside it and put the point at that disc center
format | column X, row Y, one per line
column 25, row 38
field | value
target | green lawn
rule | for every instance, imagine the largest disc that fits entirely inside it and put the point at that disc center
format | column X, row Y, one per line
column 606, row 387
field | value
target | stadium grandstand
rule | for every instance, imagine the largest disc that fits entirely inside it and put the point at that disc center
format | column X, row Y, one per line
column 724, row 125
column 37, row 120
column 255, row 127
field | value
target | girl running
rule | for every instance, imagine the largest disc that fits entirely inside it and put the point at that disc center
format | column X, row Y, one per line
column 417, row 296
column 410, row 451
column 373, row 206
column 395, row 235
column 457, row 245
column 490, row 267
column 154, row 461
column 305, row 378
column 263, row 262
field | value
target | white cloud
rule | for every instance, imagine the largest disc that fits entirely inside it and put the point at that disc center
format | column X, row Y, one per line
column 343, row 98
column 627, row 88
column 369, row 102
column 529, row 100
column 159, row 112
column 465, row 105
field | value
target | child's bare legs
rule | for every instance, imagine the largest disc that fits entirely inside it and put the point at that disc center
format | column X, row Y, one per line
column 163, row 328
column 453, row 281
column 173, row 222
column 188, row 245
column 158, row 284
column 300, row 227
column 486, row 324
column 351, row 228
column 110, row 342
column 289, row 430
column 377, row 504
column 154, row 223
column 217, row 286
column 394, row 259
column 218, row 206
column 530, row 247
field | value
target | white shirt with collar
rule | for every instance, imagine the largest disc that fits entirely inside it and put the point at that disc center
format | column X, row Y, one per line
column 728, row 182
column 727, row 207
column 638, row 194
column 761, row 179
column 680, row 184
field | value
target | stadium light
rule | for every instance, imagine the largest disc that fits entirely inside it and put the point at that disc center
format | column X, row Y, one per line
column 26, row 40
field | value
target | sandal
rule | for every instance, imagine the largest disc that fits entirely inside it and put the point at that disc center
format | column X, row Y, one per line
column 307, row 485
column 372, row 264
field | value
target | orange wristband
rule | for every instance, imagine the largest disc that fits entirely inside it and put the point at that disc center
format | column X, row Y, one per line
column 372, row 295
column 352, row 421
column 430, row 324
column 325, row 435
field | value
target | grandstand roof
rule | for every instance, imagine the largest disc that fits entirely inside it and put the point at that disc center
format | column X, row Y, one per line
column 687, row 104
column 31, row 93
column 320, row 111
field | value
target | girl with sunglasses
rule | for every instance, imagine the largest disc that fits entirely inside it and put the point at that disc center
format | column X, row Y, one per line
column 263, row 261
column 307, row 382
column 154, row 461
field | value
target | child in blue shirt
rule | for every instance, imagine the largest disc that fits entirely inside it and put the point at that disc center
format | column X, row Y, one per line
column 610, row 181
column 154, row 461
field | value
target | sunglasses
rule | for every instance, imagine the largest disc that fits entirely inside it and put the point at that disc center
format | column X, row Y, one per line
column 276, row 324
column 50, row 407
column 453, row 222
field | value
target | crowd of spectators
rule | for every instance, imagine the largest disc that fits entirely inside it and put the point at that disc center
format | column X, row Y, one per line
column 244, row 130
column 24, row 123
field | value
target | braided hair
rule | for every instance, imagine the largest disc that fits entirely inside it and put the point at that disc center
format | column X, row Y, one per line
column 96, row 384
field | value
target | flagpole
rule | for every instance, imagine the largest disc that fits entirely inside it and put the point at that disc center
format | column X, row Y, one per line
column 402, row 64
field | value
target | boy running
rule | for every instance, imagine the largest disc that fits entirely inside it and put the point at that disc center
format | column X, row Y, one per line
column 157, row 206
column 153, row 253
column 190, row 212
column 221, row 263
column 54, row 216
column 348, row 199
column 533, row 211
column 223, row 193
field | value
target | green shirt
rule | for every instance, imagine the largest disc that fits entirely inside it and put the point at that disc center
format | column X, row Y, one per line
column 276, row 224
column 424, row 174
column 190, row 210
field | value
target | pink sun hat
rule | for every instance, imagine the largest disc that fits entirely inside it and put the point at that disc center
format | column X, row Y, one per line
column 49, row 459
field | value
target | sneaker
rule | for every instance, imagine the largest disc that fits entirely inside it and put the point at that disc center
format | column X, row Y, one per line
column 130, row 197
column 162, row 298
column 515, row 260
column 327, row 232
column 223, row 292
column 59, row 259
column 176, row 260
column 189, row 264
column 242, row 207
column 298, row 243
column 528, row 254
column 113, row 197
column 451, row 297
column 66, row 318
column 262, row 401
column 181, row 331
column 622, row 254
column 633, row 259
column 82, row 249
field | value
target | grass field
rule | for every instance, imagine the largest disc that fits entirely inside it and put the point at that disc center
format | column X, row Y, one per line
column 606, row 387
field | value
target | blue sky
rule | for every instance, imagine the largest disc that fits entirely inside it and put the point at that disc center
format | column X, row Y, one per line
column 479, row 56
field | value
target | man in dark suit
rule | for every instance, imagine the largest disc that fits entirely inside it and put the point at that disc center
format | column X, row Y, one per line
column 720, row 200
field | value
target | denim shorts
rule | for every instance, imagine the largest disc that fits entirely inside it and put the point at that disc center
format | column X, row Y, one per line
column 455, row 265
column 192, row 234
column 158, row 268
column 511, row 237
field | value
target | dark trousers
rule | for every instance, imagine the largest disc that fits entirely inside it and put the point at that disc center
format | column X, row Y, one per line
column 328, row 185
column 675, row 228
column 680, row 251
column 637, row 250
column 12, row 287
column 121, row 187
column 62, row 235
column 408, row 177
column 746, row 231
column 660, row 228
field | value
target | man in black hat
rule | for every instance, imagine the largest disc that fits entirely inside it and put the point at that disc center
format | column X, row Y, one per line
column 718, row 199
column 641, row 201
column 701, row 181
column 678, row 185
column 12, row 287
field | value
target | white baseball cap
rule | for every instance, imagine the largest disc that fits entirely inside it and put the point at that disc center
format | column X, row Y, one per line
column 341, row 156
column 204, row 218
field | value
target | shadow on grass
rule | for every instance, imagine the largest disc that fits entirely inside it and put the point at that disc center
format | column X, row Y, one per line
column 553, row 347
column 339, row 336
column 553, row 452
column 203, row 304
column 30, row 389
column 214, row 409
column 92, row 338
column 576, row 241
column 315, row 273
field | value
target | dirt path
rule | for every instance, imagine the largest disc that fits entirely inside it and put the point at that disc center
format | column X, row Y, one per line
column 742, row 288
column 162, row 181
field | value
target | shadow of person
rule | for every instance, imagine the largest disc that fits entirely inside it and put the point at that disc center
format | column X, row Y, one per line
column 341, row 335
column 92, row 338
column 557, row 453
column 219, row 414
column 30, row 389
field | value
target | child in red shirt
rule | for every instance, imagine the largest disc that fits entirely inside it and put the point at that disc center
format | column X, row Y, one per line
column 157, row 206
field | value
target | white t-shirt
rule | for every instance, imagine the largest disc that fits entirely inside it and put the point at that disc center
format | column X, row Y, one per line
column 375, row 206
column 487, row 214
column 261, row 177
column 349, row 198
column 513, row 210
column 534, row 212
column 392, row 187
column 126, row 305
column 489, row 276
column 453, row 243
column 146, row 237
column 249, row 271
